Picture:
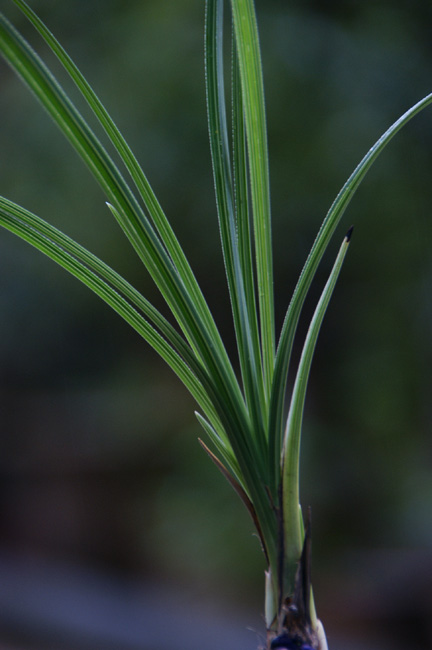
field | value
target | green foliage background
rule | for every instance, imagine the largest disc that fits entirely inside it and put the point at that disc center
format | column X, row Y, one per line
column 99, row 459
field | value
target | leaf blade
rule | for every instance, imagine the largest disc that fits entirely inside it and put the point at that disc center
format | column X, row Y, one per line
column 112, row 288
column 248, row 349
column 248, row 50
column 290, row 458
column 328, row 227
column 135, row 170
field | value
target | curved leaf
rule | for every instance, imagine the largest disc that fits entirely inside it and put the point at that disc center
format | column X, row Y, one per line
column 323, row 238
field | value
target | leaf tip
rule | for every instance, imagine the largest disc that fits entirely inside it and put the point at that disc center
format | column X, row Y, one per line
column 348, row 235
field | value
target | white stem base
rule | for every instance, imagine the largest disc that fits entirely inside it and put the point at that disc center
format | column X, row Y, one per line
column 322, row 639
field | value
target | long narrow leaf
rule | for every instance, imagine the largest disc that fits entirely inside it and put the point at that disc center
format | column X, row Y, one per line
column 257, row 487
column 249, row 356
column 114, row 290
column 291, row 447
column 135, row 225
column 318, row 249
column 244, row 235
column 247, row 43
column 135, row 170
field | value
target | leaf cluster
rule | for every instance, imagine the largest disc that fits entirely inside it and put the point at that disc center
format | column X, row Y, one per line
column 243, row 414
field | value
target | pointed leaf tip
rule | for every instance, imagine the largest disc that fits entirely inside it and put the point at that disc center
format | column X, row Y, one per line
column 349, row 233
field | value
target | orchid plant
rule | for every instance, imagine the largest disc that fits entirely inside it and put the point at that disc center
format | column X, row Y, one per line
column 248, row 435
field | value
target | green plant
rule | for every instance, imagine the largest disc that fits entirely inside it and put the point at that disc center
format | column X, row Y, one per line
column 244, row 420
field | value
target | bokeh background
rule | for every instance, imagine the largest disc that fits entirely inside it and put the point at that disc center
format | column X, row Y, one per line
column 115, row 529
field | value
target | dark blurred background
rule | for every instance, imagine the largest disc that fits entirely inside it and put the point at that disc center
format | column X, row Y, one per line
column 115, row 529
